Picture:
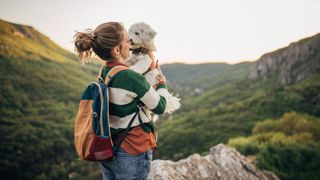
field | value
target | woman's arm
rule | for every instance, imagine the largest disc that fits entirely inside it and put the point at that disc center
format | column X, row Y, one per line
column 154, row 99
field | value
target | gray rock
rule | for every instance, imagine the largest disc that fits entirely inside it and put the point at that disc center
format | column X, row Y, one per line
column 291, row 64
column 223, row 163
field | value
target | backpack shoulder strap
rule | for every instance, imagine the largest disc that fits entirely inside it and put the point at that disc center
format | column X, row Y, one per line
column 113, row 72
column 99, row 77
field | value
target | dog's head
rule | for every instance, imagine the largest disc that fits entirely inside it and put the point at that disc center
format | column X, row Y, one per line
column 142, row 35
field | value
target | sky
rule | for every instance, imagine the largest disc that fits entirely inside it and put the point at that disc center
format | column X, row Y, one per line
column 188, row 31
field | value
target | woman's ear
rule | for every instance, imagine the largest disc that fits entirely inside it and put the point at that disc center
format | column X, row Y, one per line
column 115, row 51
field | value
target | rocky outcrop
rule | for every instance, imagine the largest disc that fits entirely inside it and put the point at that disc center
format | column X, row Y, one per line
column 291, row 64
column 223, row 163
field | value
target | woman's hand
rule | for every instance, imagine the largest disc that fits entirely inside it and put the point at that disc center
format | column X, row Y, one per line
column 161, row 79
column 153, row 64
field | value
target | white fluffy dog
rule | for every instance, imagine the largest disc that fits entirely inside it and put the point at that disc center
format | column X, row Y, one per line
column 141, row 37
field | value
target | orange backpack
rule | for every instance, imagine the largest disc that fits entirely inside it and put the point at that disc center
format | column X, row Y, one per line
column 92, row 135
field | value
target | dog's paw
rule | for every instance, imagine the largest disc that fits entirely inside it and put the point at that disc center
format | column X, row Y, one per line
column 151, row 76
column 173, row 103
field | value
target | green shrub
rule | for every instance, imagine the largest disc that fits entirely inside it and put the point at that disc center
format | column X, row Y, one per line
column 291, row 161
column 245, row 145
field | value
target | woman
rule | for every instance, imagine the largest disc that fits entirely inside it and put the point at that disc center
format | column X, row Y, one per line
column 110, row 42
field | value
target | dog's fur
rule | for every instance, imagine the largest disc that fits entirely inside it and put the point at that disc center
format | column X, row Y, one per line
column 141, row 37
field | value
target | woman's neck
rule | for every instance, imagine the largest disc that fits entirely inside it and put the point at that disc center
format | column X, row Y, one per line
column 115, row 63
column 120, row 61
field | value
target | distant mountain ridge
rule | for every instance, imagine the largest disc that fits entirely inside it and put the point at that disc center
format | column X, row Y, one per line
column 291, row 64
column 192, row 79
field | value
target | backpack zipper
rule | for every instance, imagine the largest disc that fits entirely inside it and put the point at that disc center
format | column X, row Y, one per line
column 101, row 110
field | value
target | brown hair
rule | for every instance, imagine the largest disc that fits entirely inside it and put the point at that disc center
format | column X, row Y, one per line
column 101, row 41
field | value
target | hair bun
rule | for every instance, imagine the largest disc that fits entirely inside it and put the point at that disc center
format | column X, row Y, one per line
column 84, row 40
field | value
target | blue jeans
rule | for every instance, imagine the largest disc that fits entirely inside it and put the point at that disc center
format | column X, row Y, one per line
column 126, row 166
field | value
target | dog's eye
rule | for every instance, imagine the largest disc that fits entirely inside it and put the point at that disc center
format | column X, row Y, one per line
column 136, row 33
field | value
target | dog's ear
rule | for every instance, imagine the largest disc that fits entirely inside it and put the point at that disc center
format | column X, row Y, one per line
column 152, row 33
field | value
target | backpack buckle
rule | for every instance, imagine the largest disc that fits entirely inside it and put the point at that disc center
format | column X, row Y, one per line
column 140, row 106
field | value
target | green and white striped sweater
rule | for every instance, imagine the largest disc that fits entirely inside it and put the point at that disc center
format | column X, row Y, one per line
column 126, row 90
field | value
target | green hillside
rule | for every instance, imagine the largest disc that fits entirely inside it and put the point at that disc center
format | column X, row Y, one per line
column 229, row 105
column 230, row 111
column 41, row 84
column 18, row 41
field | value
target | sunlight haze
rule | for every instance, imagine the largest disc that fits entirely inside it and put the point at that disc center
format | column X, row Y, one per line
column 189, row 31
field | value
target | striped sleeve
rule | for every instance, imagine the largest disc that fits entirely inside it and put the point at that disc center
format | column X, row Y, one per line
column 153, row 99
